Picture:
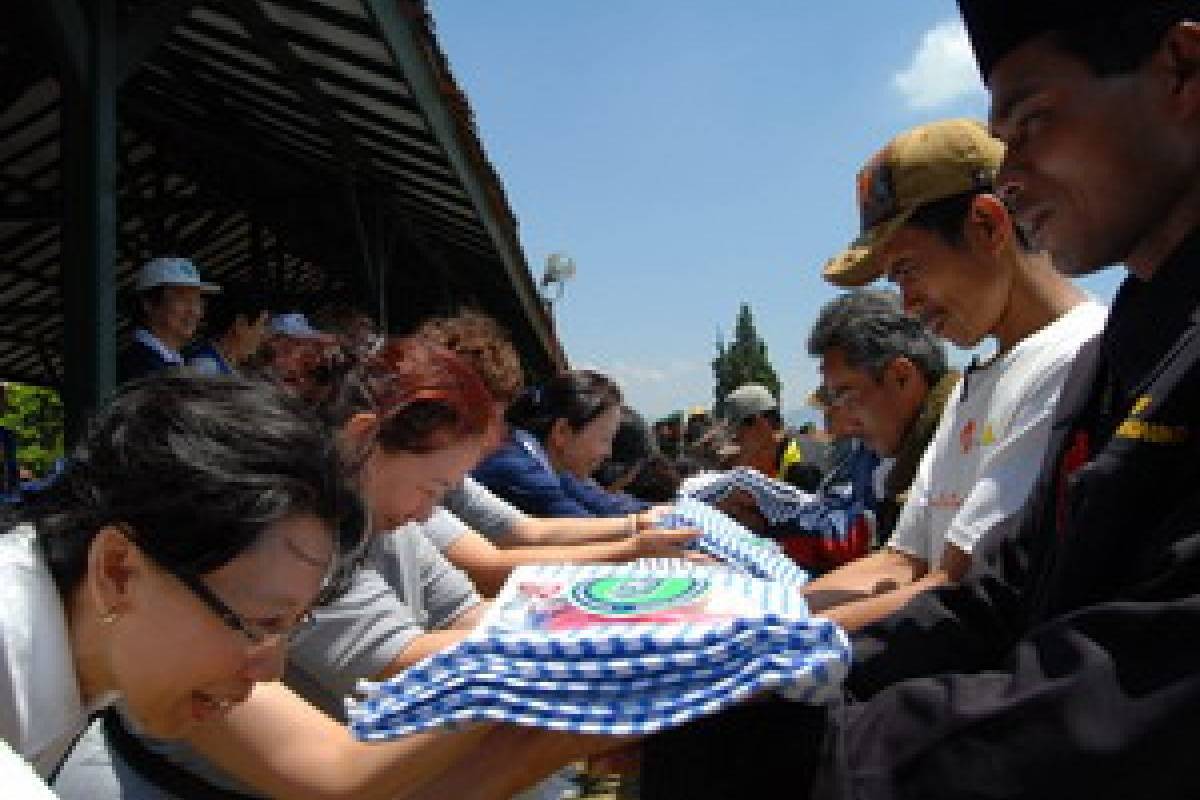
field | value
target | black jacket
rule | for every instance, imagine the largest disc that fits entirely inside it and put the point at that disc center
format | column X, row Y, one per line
column 1068, row 662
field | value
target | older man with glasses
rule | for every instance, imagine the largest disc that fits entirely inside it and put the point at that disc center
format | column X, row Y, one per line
column 889, row 373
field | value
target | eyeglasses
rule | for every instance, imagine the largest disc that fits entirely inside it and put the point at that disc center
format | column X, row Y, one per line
column 254, row 633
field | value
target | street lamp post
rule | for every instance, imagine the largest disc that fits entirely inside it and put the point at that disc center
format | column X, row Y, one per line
column 560, row 268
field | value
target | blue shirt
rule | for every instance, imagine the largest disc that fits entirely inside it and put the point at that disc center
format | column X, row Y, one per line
column 521, row 473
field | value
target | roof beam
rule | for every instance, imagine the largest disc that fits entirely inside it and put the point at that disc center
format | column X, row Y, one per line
column 404, row 40
column 273, row 40
column 143, row 35
column 69, row 30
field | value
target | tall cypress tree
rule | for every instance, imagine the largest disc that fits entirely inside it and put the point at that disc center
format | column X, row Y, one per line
column 744, row 360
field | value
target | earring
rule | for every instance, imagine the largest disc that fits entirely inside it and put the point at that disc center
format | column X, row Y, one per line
column 109, row 617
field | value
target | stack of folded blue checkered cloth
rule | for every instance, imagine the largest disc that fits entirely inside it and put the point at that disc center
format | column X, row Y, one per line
column 777, row 501
column 607, row 649
column 732, row 543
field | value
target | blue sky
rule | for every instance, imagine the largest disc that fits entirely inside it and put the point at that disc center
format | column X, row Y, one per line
column 690, row 156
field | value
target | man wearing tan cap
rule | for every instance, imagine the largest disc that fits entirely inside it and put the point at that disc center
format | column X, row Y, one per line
column 933, row 227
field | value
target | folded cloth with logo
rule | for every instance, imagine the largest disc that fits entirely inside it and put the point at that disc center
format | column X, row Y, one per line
column 732, row 543
column 614, row 649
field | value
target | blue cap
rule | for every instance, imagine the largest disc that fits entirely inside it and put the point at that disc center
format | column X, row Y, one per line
column 293, row 324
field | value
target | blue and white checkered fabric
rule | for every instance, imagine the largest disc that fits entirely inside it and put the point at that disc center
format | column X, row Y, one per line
column 779, row 502
column 615, row 677
column 733, row 543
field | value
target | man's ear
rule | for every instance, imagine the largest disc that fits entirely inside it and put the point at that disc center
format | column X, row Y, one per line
column 113, row 565
column 559, row 434
column 899, row 372
column 989, row 225
column 1178, row 59
column 358, row 431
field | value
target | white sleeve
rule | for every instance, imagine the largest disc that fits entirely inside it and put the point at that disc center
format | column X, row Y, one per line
column 912, row 533
column 1009, row 470
column 18, row 777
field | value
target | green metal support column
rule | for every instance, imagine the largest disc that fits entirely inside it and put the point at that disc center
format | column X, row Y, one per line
column 89, row 158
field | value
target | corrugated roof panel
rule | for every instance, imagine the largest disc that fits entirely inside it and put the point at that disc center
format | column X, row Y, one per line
column 352, row 8
column 296, row 23
column 251, row 106
column 321, row 54
column 216, row 19
column 193, row 37
column 230, row 71
column 354, row 101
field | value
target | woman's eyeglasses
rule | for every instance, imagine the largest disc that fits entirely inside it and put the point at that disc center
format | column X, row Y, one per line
column 256, row 634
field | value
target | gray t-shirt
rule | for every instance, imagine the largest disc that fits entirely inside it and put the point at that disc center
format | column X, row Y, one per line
column 404, row 588
column 479, row 507
column 443, row 529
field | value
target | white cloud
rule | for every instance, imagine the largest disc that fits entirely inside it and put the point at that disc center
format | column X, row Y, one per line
column 942, row 70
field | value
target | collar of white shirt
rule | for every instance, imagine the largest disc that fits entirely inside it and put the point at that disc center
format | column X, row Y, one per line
column 154, row 343
column 45, row 712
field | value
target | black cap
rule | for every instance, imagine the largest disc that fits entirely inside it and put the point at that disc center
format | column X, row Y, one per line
column 996, row 27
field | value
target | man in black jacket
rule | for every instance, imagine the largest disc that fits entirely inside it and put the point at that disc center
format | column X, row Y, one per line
column 1066, row 663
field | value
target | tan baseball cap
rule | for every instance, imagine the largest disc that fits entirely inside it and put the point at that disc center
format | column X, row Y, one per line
column 928, row 163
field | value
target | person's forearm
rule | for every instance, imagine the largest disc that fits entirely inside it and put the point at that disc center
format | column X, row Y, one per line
column 877, row 573
column 283, row 747
column 421, row 647
column 510, row 759
column 542, row 531
column 859, row 613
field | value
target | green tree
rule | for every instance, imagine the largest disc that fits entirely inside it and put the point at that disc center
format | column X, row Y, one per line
column 35, row 416
column 743, row 360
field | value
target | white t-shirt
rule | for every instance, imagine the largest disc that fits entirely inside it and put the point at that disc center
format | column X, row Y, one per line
column 18, row 778
column 983, row 460
column 41, row 713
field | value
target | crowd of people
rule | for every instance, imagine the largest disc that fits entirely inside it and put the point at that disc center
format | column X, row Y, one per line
column 270, row 513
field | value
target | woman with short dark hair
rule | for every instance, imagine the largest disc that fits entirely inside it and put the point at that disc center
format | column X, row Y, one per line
column 192, row 531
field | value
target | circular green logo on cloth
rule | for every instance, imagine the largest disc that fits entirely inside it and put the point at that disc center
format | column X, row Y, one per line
column 627, row 595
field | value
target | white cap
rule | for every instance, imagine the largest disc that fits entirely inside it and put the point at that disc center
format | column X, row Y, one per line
column 294, row 324
column 746, row 401
column 172, row 271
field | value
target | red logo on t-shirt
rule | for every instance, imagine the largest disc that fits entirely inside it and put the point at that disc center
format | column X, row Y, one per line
column 967, row 437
